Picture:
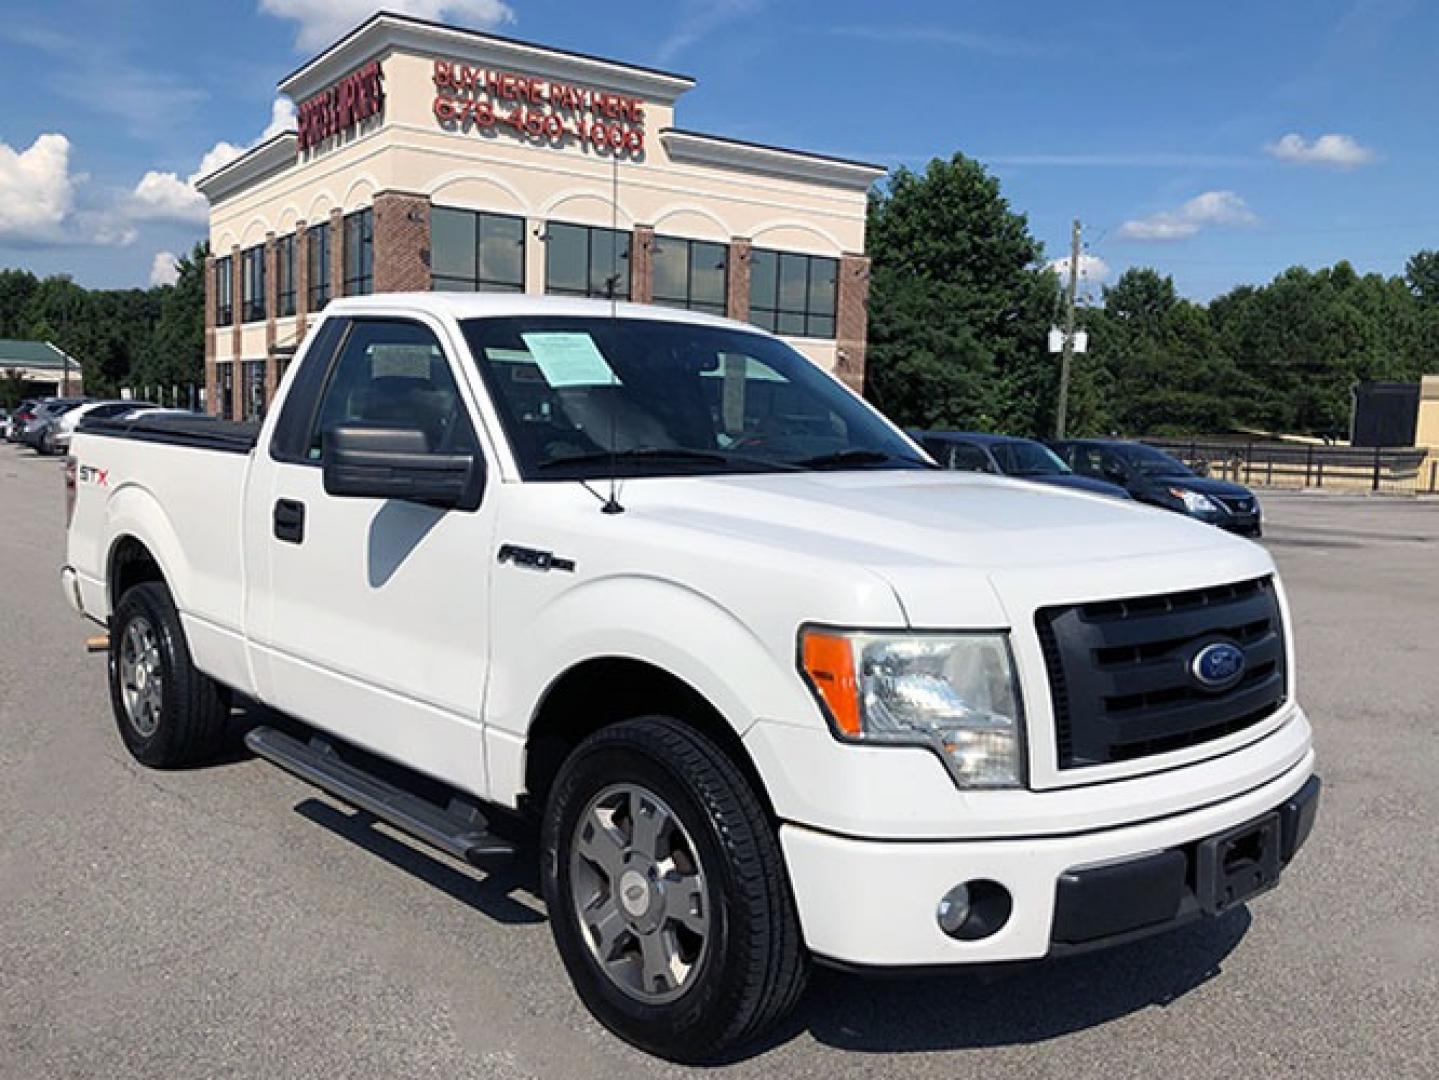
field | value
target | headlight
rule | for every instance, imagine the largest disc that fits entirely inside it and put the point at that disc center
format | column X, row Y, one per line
column 1194, row 502
column 952, row 693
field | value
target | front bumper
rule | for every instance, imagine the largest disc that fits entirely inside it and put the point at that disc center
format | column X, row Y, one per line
column 872, row 903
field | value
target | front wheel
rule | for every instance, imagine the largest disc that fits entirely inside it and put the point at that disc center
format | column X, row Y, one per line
column 667, row 892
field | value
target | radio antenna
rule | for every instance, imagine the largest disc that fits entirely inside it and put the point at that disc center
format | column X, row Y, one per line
column 612, row 504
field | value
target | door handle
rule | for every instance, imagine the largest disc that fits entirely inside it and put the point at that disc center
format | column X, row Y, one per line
column 290, row 521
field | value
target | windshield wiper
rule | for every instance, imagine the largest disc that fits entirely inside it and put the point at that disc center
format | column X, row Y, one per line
column 664, row 454
column 858, row 456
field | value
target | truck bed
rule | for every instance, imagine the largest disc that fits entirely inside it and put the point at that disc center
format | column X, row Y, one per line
column 198, row 432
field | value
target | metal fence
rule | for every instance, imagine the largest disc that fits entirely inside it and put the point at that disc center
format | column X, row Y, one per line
column 1287, row 465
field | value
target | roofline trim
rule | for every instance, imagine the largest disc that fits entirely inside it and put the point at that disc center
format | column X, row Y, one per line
column 298, row 81
column 709, row 149
column 271, row 155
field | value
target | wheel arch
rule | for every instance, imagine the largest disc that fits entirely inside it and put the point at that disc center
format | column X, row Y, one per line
column 130, row 562
column 601, row 691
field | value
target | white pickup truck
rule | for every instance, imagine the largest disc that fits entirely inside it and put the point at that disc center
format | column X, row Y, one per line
column 776, row 689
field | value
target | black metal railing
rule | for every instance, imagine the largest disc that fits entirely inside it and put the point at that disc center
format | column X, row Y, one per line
column 1261, row 463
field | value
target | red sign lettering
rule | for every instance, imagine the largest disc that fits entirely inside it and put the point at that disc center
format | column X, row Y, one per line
column 358, row 96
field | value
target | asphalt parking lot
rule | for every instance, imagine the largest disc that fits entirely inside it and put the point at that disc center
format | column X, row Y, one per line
column 228, row 921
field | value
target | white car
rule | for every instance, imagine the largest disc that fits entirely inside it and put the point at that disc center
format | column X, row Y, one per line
column 57, row 438
column 777, row 690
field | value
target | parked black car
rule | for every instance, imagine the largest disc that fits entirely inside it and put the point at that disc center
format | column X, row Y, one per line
column 1008, row 455
column 1152, row 476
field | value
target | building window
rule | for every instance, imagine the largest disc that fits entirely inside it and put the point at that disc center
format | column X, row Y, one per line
column 793, row 294
column 360, row 253
column 224, row 291
column 285, row 276
column 253, row 374
column 318, row 287
column 474, row 252
column 585, row 261
column 225, row 384
column 252, row 284
column 690, row 274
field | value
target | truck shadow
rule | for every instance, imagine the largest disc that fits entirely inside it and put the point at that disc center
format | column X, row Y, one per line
column 1011, row 1005
column 996, row 1006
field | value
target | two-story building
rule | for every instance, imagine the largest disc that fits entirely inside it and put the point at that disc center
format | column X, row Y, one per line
column 431, row 157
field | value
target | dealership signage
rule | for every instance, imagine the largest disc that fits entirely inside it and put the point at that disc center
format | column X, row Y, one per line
column 338, row 108
column 543, row 111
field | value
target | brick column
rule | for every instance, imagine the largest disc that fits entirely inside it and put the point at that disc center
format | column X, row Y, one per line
column 210, row 374
column 402, row 242
column 642, row 264
column 237, row 314
column 302, row 282
column 852, row 322
column 737, row 270
column 272, row 302
column 337, row 254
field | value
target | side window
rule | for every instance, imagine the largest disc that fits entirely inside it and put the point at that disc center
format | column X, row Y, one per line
column 968, row 458
column 1111, row 466
column 392, row 373
column 1085, row 460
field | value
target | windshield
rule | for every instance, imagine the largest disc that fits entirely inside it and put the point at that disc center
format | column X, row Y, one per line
column 581, row 396
column 1023, row 458
column 1151, row 462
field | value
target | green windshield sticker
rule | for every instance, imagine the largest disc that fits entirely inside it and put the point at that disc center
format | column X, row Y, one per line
column 569, row 359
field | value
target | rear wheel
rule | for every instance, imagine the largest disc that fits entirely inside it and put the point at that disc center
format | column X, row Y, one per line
column 667, row 892
column 168, row 712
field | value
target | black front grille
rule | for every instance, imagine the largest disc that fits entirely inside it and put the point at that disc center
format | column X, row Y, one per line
column 1120, row 670
column 1237, row 505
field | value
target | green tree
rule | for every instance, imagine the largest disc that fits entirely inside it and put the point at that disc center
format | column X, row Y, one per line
column 959, row 303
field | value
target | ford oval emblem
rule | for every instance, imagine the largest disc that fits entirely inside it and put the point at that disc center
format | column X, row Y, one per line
column 1218, row 666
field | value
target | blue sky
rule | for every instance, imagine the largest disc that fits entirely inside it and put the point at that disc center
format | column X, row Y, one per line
column 1220, row 142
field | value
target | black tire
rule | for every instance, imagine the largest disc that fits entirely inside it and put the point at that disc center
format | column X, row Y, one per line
column 188, row 724
column 755, row 966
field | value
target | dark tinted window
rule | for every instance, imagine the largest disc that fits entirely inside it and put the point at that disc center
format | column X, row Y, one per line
column 360, row 253
column 585, row 261
column 224, row 291
column 252, row 285
column 1021, row 457
column 285, row 276
column 392, row 373
column 472, row 252
column 690, row 274
column 317, row 237
column 966, row 457
column 793, row 294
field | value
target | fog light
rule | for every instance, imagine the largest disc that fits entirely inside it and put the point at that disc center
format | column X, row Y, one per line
column 974, row 910
column 954, row 909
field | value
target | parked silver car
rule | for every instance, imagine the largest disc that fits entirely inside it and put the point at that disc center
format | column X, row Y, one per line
column 38, row 433
column 56, row 439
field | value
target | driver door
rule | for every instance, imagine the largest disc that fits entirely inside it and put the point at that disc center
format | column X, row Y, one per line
column 373, row 614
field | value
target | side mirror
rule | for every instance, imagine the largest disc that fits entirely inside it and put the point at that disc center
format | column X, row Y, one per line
column 362, row 462
column 1115, row 474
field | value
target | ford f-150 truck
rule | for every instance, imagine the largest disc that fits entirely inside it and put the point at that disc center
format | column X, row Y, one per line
column 776, row 689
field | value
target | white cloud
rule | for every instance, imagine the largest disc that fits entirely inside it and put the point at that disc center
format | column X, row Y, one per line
column 163, row 270
column 322, row 22
column 282, row 118
column 699, row 19
column 36, row 189
column 1332, row 151
column 38, row 199
column 1092, row 269
column 1209, row 208
column 165, row 196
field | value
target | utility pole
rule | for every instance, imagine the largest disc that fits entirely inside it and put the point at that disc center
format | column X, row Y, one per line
column 1068, row 355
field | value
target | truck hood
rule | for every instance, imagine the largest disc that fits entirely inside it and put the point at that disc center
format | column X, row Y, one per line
column 930, row 534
